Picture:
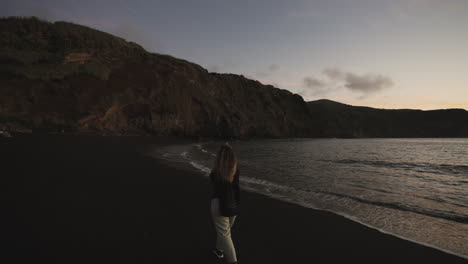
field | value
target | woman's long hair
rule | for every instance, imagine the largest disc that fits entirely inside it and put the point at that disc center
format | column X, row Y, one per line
column 226, row 163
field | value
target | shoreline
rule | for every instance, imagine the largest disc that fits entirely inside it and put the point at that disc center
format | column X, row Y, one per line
column 117, row 205
column 200, row 169
column 347, row 217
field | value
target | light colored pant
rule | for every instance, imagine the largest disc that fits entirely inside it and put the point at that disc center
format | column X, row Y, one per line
column 223, row 227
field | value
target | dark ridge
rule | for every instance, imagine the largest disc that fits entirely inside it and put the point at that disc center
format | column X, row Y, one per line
column 334, row 119
column 66, row 77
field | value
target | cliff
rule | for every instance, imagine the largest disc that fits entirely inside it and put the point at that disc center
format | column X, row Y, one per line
column 62, row 76
column 56, row 76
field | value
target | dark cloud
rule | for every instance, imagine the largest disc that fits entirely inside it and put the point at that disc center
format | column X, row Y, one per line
column 315, row 87
column 367, row 83
column 336, row 79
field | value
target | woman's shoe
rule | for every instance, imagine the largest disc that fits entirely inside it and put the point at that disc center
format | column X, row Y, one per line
column 218, row 253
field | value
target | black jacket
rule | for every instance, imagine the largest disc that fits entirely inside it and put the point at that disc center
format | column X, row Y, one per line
column 228, row 194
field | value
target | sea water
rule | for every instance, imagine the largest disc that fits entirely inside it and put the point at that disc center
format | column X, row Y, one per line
column 416, row 189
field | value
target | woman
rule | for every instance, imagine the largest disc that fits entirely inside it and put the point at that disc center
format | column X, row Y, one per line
column 225, row 201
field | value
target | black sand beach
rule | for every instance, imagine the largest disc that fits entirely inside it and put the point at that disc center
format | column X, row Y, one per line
column 94, row 199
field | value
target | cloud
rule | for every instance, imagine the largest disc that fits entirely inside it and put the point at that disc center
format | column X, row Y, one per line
column 336, row 79
column 367, row 83
column 315, row 87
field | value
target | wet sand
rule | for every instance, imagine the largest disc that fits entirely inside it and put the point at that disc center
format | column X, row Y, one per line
column 94, row 199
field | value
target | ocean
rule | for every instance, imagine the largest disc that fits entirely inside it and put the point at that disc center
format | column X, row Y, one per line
column 416, row 189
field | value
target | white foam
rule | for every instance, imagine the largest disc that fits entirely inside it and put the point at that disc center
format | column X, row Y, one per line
column 205, row 170
column 202, row 149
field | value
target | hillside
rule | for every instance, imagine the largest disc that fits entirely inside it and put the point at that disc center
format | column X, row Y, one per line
column 63, row 76
column 340, row 120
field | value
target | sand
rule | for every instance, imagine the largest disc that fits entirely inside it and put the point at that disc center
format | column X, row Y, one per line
column 95, row 199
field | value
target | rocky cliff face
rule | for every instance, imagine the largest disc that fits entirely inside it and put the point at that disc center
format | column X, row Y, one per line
column 62, row 76
column 65, row 76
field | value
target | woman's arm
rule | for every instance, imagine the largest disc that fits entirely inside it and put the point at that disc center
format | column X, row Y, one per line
column 212, row 175
column 236, row 178
column 235, row 185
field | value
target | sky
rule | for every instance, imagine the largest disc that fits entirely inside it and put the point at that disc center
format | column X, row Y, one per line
column 377, row 53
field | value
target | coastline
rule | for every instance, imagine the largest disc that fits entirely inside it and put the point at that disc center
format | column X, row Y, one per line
column 77, row 198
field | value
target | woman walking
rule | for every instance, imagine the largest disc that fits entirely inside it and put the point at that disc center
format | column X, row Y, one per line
column 225, row 201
